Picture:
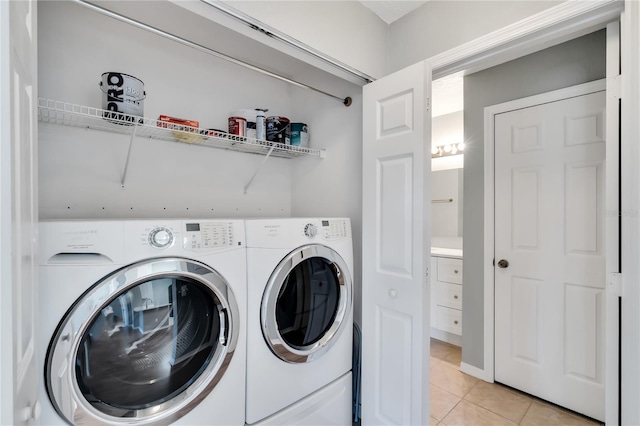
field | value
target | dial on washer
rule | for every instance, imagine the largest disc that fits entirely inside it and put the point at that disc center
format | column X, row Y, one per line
column 160, row 237
column 310, row 230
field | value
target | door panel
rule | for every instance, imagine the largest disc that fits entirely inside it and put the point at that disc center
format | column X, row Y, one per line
column 396, row 222
column 549, row 213
column 525, row 327
column 395, row 209
column 394, row 347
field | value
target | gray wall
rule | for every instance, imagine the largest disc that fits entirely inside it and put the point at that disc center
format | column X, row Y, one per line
column 438, row 26
column 568, row 64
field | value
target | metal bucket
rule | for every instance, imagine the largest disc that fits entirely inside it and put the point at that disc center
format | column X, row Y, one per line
column 237, row 126
column 299, row 135
column 279, row 130
column 122, row 94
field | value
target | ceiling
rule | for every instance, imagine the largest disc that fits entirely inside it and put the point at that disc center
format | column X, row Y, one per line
column 447, row 91
column 391, row 10
column 447, row 94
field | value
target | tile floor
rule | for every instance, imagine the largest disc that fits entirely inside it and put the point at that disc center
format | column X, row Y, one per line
column 459, row 399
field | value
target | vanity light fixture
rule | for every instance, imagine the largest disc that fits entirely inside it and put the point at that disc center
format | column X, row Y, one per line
column 446, row 150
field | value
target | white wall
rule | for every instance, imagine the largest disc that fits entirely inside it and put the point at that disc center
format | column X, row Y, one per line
column 333, row 186
column 440, row 25
column 447, row 129
column 344, row 30
column 80, row 169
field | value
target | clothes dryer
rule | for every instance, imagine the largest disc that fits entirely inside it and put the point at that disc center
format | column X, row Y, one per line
column 300, row 317
column 143, row 322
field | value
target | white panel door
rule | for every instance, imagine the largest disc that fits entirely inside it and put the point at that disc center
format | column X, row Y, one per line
column 18, row 213
column 395, row 258
column 549, row 226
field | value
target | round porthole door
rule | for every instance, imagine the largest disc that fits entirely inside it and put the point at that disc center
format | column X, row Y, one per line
column 144, row 345
column 306, row 303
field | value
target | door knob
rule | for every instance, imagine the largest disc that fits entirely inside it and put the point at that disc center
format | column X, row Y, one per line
column 503, row 263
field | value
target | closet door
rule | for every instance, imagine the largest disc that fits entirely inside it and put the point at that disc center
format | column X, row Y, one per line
column 18, row 212
column 395, row 227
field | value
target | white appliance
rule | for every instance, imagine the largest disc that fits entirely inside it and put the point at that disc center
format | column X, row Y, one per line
column 143, row 322
column 300, row 321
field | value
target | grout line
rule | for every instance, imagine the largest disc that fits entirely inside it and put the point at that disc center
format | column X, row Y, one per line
column 491, row 411
column 501, row 415
column 526, row 412
column 452, row 408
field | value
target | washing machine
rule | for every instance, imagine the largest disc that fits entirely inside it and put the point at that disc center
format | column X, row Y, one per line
column 142, row 322
column 299, row 321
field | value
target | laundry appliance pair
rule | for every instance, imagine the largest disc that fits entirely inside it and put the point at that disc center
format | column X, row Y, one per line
column 188, row 322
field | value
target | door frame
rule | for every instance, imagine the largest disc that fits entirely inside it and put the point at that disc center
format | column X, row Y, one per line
column 555, row 25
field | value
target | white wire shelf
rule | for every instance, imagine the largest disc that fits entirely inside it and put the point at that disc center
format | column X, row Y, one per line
column 58, row 112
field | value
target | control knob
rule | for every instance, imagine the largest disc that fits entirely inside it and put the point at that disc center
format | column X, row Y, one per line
column 310, row 230
column 160, row 237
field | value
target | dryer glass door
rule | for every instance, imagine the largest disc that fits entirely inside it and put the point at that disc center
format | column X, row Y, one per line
column 306, row 303
column 148, row 344
column 163, row 330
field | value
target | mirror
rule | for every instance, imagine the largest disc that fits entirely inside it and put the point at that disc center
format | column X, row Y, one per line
column 446, row 203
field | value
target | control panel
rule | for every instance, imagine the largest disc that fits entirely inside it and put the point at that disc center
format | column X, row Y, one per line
column 334, row 229
column 208, row 235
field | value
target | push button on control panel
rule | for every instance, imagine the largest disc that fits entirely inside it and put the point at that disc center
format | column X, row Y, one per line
column 334, row 229
column 208, row 235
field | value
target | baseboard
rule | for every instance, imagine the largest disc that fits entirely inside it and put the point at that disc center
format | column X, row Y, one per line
column 475, row 372
column 445, row 336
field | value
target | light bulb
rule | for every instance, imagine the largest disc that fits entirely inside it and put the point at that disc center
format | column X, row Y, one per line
column 454, row 150
column 461, row 146
column 434, row 150
column 447, row 148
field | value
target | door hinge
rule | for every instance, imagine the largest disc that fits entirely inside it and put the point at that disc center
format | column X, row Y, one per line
column 428, row 104
column 614, row 283
column 614, row 87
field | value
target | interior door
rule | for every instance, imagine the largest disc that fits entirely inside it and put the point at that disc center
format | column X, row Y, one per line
column 18, row 212
column 395, row 227
column 550, row 254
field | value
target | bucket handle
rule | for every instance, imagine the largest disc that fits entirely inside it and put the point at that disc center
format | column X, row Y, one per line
column 135, row 100
column 283, row 129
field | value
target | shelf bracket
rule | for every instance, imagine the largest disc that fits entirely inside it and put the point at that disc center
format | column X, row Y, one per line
column 264, row 160
column 126, row 164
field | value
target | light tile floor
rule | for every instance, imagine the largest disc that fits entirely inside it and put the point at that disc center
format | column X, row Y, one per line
column 458, row 399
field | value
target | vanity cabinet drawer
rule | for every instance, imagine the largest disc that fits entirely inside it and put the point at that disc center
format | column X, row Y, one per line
column 449, row 295
column 450, row 270
column 448, row 319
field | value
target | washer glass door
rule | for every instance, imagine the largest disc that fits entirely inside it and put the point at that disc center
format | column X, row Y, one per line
column 306, row 303
column 147, row 340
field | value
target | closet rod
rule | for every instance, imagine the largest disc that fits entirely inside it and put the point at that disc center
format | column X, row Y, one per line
column 346, row 101
column 444, row 200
